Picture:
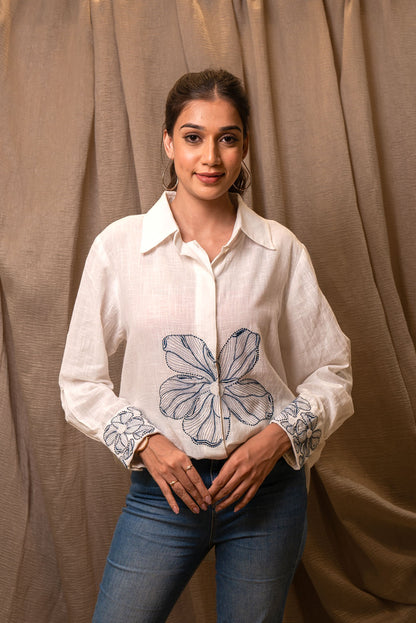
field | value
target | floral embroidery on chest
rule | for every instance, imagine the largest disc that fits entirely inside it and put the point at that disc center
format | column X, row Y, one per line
column 207, row 394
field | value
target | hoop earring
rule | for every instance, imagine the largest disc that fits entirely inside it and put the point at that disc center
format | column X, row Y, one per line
column 248, row 175
column 243, row 180
column 168, row 186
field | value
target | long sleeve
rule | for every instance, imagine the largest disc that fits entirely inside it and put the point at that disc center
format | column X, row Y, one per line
column 214, row 351
column 316, row 357
column 96, row 330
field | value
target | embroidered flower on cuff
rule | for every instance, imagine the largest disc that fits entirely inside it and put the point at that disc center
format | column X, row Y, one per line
column 207, row 393
column 124, row 430
column 302, row 425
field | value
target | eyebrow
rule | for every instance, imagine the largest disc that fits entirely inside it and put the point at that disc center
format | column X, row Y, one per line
column 225, row 128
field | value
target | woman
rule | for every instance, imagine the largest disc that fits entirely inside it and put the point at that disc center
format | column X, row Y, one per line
column 235, row 373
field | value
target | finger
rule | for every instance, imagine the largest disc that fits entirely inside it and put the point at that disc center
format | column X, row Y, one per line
column 169, row 466
column 186, row 491
column 230, row 498
column 240, row 495
column 246, row 499
column 165, row 487
column 170, row 498
column 181, row 492
column 175, row 488
column 192, row 492
column 197, row 487
column 180, row 485
column 220, row 482
column 231, row 474
column 226, row 489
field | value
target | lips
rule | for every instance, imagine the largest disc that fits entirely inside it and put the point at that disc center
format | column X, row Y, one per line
column 209, row 178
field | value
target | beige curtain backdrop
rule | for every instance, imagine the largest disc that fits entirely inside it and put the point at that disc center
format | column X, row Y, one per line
column 333, row 135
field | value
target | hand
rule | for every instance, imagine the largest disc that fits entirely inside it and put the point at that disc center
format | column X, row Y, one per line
column 169, row 467
column 247, row 467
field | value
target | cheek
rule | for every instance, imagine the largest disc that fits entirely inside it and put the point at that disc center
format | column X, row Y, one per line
column 184, row 159
column 234, row 160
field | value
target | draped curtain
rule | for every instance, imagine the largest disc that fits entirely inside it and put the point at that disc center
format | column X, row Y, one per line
column 333, row 134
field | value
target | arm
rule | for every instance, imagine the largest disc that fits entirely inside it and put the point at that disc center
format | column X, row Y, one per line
column 95, row 332
column 317, row 361
column 316, row 355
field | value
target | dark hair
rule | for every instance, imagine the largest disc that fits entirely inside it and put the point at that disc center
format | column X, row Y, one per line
column 207, row 85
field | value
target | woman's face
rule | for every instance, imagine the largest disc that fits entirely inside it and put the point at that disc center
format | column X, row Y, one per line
column 207, row 147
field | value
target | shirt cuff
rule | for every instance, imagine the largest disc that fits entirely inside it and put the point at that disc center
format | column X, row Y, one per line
column 302, row 427
column 125, row 431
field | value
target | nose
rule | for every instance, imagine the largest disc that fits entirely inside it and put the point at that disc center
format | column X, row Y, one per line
column 211, row 154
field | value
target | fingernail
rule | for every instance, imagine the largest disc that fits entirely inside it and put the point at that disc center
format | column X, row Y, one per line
column 204, row 506
column 208, row 499
column 195, row 509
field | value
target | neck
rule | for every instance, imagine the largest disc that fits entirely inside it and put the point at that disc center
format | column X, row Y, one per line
column 197, row 218
column 209, row 223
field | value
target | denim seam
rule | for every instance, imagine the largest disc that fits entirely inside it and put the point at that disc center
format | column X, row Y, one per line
column 213, row 513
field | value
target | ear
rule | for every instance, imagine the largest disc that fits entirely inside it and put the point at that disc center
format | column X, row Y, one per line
column 245, row 146
column 168, row 144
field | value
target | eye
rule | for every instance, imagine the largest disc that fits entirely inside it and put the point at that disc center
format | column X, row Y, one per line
column 229, row 139
column 192, row 138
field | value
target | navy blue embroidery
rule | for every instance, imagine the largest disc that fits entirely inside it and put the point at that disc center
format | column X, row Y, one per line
column 124, row 430
column 301, row 424
column 207, row 393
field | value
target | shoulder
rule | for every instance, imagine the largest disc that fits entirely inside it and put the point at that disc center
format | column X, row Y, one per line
column 268, row 232
column 123, row 228
column 282, row 234
column 116, row 242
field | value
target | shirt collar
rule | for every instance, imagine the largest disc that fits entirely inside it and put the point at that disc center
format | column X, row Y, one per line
column 253, row 225
column 159, row 224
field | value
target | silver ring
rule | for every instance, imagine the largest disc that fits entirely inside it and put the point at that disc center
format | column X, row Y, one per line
column 173, row 483
column 189, row 467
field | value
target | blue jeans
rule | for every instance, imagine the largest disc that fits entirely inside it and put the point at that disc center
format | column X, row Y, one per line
column 155, row 552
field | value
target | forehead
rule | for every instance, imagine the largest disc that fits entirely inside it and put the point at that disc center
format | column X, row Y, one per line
column 207, row 113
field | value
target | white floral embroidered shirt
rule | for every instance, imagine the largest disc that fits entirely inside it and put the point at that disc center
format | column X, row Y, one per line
column 214, row 351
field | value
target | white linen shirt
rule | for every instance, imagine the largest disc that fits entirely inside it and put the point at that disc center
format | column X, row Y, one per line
column 214, row 351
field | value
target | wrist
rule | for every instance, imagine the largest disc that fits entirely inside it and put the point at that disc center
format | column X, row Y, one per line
column 279, row 434
column 142, row 446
